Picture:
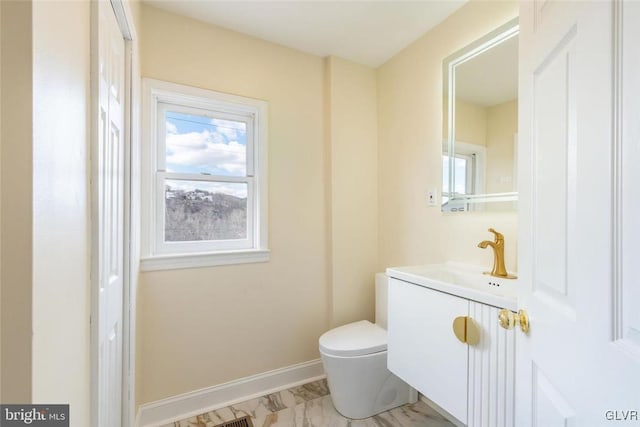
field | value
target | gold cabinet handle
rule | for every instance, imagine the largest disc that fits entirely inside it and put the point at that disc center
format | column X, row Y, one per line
column 508, row 319
column 466, row 330
column 460, row 328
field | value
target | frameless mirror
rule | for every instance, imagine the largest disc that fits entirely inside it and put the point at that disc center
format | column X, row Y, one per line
column 479, row 156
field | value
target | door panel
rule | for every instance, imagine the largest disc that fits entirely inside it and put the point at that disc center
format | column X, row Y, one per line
column 549, row 407
column 554, row 174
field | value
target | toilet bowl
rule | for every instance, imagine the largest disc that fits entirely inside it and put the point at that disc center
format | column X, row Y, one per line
column 355, row 362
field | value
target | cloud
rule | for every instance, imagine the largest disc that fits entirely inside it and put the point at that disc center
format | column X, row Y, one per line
column 171, row 128
column 233, row 131
column 205, row 152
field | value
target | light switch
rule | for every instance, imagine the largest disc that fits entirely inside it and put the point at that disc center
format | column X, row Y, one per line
column 432, row 197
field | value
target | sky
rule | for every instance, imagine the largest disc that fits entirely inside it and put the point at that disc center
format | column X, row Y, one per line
column 203, row 145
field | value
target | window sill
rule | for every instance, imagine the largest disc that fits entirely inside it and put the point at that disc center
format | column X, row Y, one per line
column 199, row 260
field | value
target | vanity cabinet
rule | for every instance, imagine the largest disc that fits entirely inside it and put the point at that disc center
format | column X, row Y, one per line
column 472, row 382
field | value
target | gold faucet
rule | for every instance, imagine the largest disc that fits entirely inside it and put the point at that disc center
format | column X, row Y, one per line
column 499, row 269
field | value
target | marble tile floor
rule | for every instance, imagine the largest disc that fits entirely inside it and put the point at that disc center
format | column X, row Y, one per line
column 310, row 405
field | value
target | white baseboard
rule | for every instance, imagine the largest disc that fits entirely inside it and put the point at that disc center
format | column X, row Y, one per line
column 187, row 405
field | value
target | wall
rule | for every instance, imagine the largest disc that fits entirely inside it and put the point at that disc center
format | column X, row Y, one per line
column 410, row 138
column 353, row 145
column 471, row 123
column 16, row 191
column 61, row 291
column 502, row 125
column 202, row 327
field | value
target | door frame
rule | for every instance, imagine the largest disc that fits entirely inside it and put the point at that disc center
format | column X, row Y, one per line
column 124, row 18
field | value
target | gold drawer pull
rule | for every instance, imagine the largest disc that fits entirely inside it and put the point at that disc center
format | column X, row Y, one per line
column 466, row 330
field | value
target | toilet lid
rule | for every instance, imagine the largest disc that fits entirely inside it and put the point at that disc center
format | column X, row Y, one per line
column 354, row 339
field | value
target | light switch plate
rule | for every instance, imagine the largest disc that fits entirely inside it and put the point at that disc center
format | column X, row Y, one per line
column 432, row 197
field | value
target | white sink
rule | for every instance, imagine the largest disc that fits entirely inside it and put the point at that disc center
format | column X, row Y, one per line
column 462, row 280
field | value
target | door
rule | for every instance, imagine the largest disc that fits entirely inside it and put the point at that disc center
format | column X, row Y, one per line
column 109, row 249
column 579, row 365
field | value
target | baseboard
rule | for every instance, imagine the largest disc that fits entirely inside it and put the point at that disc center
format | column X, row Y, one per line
column 187, row 405
column 441, row 411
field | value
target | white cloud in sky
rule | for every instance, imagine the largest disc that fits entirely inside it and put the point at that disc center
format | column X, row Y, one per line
column 206, row 152
column 171, row 128
column 232, row 130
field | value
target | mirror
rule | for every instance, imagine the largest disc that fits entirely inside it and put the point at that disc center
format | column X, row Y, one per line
column 479, row 155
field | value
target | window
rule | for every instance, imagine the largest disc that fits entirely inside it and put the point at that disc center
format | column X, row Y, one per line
column 203, row 178
column 464, row 174
column 468, row 175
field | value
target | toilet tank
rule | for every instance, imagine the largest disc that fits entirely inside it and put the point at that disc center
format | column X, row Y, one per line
column 382, row 290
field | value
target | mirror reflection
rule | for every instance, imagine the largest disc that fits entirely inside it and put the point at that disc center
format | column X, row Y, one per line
column 479, row 159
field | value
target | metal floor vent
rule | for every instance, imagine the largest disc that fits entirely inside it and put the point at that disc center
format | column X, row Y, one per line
column 239, row 422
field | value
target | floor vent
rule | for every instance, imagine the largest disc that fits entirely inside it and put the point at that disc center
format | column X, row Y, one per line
column 239, row 422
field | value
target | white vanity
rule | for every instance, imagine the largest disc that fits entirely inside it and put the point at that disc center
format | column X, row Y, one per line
column 445, row 340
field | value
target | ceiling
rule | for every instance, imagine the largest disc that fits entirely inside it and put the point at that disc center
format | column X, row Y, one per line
column 367, row 32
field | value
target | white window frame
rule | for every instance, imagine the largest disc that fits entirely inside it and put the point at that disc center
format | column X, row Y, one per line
column 160, row 96
column 476, row 164
column 475, row 155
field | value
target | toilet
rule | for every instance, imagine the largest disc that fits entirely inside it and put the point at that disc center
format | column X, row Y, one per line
column 355, row 361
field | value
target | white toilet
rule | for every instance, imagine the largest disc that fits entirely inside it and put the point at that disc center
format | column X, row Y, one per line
column 355, row 361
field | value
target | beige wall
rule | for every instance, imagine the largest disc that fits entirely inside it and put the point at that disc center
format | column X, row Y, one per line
column 410, row 138
column 351, row 93
column 502, row 125
column 471, row 123
column 61, row 292
column 202, row 327
column 16, row 226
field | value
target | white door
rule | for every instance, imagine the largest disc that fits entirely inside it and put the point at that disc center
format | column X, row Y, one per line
column 579, row 365
column 110, row 216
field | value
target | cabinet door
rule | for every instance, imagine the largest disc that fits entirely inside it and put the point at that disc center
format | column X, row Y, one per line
column 491, row 371
column 423, row 349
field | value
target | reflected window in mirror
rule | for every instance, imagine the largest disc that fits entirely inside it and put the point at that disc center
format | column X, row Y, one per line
column 479, row 163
